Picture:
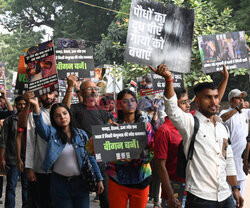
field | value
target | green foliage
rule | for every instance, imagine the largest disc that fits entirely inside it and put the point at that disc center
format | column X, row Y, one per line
column 12, row 46
column 241, row 11
column 207, row 21
column 68, row 19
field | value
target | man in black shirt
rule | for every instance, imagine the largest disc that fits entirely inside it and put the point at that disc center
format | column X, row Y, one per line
column 87, row 114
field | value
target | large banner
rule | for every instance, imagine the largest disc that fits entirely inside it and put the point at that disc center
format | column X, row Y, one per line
column 2, row 75
column 41, row 68
column 74, row 61
column 160, row 34
column 126, row 141
column 219, row 49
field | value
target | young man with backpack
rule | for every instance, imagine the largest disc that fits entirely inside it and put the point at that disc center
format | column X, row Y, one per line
column 212, row 168
column 167, row 141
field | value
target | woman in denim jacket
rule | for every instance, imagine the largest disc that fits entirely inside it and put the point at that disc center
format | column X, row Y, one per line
column 64, row 156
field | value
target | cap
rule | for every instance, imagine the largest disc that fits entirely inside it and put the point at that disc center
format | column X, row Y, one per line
column 235, row 93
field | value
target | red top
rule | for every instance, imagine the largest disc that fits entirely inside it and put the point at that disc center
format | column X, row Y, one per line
column 167, row 140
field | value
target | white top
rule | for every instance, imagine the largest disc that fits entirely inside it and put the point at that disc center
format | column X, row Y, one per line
column 66, row 164
column 238, row 125
column 36, row 146
column 212, row 159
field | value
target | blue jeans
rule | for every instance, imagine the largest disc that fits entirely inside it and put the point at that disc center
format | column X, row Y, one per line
column 68, row 194
column 12, row 178
column 196, row 202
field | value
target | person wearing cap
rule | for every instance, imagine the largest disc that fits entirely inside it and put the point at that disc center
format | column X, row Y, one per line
column 237, row 118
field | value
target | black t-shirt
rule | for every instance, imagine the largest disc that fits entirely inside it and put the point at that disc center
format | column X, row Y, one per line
column 84, row 117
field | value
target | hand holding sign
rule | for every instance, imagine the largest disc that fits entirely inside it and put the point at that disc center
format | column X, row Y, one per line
column 71, row 80
column 163, row 71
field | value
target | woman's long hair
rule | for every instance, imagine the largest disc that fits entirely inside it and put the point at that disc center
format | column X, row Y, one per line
column 59, row 130
column 120, row 113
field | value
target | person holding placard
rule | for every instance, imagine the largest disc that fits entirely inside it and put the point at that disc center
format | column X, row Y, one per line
column 130, row 179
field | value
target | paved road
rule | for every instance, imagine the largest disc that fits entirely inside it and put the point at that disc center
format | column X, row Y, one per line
column 19, row 198
column 95, row 204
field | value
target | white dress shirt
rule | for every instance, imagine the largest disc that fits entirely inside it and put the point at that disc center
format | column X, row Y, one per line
column 206, row 173
column 238, row 125
column 36, row 146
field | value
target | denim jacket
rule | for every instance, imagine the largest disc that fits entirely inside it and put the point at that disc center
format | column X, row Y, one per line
column 55, row 146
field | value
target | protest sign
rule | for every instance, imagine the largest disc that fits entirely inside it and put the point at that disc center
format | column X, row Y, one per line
column 62, row 92
column 2, row 75
column 159, row 82
column 160, row 34
column 126, row 141
column 219, row 49
column 41, row 68
column 74, row 61
column 21, row 81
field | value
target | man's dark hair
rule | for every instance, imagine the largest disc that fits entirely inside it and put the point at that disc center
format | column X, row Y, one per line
column 180, row 92
column 204, row 85
column 18, row 98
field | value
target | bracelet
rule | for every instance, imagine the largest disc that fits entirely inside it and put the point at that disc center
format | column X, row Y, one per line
column 169, row 80
column 69, row 91
column 236, row 187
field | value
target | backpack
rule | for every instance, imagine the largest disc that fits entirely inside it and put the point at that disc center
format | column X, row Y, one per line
column 181, row 158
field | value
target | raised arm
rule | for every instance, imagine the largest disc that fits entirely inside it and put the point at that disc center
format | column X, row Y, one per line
column 8, row 104
column 71, row 81
column 223, row 85
column 167, row 75
column 42, row 129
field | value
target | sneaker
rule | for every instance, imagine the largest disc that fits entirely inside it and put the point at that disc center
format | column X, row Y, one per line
column 96, row 199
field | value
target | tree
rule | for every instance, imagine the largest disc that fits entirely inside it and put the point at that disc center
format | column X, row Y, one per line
column 68, row 19
column 211, row 22
column 241, row 10
column 12, row 46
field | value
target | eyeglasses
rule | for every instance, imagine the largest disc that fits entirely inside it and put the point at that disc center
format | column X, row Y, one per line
column 239, row 98
column 184, row 102
column 92, row 88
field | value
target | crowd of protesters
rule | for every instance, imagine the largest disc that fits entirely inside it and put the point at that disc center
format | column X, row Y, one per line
column 45, row 144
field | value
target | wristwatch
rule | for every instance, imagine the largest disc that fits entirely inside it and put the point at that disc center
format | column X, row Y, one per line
column 236, row 187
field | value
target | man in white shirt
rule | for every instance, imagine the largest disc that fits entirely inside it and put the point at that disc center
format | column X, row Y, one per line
column 35, row 153
column 237, row 118
column 212, row 166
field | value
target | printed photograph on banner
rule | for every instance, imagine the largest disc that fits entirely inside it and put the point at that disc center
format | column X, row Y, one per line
column 106, row 81
column 2, row 76
column 219, row 49
column 160, row 34
column 41, row 68
column 21, row 85
column 69, row 43
column 74, row 61
column 126, row 141
column 62, row 92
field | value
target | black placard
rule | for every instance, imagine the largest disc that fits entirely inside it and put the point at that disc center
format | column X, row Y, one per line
column 160, row 34
column 126, row 141
column 219, row 49
column 74, row 61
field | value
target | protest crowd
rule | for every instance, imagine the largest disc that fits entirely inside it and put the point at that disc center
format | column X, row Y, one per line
column 65, row 137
